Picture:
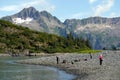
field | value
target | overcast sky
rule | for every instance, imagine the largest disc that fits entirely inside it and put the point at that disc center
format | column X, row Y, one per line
column 64, row 9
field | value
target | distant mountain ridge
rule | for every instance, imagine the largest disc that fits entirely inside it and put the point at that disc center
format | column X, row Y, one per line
column 102, row 32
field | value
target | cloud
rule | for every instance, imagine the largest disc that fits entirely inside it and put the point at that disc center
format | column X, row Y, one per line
column 77, row 15
column 113, row 14
column 41, row 4
column 92, row 1
column 104, row 7
column 9, row 8
column 81, row 15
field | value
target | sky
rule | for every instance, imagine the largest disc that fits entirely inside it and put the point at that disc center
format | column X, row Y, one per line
column 64, row 9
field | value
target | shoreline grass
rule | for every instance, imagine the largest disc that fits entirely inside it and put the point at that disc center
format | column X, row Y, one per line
column 90, row 51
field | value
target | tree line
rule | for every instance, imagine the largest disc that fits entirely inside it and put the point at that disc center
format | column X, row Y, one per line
column 14, row 38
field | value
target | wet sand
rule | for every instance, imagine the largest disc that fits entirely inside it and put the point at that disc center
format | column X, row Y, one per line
column 83, row 66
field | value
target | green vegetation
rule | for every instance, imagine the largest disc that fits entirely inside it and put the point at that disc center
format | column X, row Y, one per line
column 14, row 38
column 90, row 51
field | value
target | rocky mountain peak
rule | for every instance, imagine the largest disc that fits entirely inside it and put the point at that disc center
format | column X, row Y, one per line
column 28, row 12
column 29, row 9
column 45, row 13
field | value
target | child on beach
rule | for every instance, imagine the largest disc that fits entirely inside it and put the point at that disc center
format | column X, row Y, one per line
column 101, row 59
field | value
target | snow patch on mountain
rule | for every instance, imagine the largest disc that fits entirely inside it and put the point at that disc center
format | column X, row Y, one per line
column 95, row 27
column 20, row 20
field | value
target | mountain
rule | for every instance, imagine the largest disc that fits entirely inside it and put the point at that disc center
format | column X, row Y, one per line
column 101, row 32
column 35, row 20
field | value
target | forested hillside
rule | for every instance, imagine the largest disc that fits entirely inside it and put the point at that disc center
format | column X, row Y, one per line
column 17, row 39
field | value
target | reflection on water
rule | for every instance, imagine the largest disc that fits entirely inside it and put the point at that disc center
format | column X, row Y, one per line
column 13, row 71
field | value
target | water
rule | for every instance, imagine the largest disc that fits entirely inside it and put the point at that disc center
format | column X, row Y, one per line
column 14, row 71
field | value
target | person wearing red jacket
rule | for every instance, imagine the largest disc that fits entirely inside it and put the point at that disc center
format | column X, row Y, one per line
column 101, row 59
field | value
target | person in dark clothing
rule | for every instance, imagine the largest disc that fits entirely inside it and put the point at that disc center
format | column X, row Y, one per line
column 90, row 55
column 57, row 59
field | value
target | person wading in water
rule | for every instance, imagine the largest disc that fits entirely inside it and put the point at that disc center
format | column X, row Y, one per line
column 101, row 59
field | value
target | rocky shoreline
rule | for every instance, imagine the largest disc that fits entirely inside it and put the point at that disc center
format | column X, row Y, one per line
column 3, row 54
column 82, row 65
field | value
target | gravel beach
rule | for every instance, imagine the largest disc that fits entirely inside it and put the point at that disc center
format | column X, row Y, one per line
column 3, row 54
column 82, row 65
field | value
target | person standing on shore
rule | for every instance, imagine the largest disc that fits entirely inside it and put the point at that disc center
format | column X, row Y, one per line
column 90, row 55
column 101, row 59
column 57, row 59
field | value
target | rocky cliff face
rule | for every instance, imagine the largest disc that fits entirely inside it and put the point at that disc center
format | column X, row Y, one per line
column 102, row 32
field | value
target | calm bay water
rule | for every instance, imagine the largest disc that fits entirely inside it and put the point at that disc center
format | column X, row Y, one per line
column 14, row 71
